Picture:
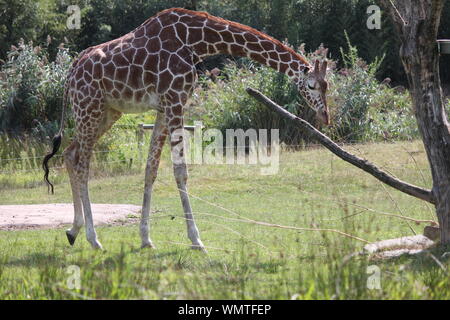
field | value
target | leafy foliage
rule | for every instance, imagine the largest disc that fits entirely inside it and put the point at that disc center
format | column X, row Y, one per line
column 31, row 90
column 224, row 104
column 32, row 77
column 362, row 108
column 311, row 22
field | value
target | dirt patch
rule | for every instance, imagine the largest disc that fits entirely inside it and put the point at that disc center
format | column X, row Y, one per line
column 44, row 216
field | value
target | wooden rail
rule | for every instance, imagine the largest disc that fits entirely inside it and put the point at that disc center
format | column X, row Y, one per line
column 152, row 126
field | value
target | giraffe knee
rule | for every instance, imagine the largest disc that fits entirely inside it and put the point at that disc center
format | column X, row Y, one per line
column 77, row 161
column 151, row 172
column 72, row 154
column 151, row 178
column 180, row 172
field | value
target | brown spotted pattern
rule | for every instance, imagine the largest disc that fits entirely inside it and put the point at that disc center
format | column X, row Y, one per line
column 153, row 67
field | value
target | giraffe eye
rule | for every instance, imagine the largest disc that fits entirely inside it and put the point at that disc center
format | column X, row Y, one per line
column 311, row 87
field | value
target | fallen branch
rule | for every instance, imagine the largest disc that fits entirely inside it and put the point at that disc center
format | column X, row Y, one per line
column 363, row 164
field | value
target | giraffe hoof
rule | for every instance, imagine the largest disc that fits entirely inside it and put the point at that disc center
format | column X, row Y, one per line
column 199, row 246
column 71, row 238
column 97, row 245
column 148, row 245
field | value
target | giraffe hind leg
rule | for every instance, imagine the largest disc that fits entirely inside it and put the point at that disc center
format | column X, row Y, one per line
column 86, row 137
column 71, row 155
column 156, row 145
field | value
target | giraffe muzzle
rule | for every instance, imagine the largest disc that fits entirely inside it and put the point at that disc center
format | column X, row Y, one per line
column 324, row 117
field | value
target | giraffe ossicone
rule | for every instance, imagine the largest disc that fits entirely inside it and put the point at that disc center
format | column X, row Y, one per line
column 153, row 67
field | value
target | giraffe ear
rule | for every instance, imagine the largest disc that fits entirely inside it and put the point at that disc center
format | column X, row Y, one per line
column 317, row 67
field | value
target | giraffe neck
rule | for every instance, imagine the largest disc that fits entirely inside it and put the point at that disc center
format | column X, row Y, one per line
column 208, row 35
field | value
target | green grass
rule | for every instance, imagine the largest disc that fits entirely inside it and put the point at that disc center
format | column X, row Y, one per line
column 313, row 188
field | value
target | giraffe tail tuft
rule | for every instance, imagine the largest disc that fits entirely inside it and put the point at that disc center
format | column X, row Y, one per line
column 56, row 144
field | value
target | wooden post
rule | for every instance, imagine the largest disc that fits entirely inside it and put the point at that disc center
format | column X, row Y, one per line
column 140, row 141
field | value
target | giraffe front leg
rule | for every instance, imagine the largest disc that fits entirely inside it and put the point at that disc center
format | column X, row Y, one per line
column 175, row 127
column 156, row 145
column 180, row 172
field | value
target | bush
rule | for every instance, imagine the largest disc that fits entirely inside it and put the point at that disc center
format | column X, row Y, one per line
column 224, row 103
column 362, row 108
column 31, row 90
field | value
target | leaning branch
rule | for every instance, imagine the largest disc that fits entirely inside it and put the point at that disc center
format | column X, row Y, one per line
column 363, row 164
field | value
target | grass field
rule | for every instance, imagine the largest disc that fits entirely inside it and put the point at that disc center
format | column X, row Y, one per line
column 313, row 188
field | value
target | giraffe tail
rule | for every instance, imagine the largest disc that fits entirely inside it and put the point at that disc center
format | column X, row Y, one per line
column 56, row 142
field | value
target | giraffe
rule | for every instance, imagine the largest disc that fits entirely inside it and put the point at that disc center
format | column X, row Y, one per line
column 153, row 68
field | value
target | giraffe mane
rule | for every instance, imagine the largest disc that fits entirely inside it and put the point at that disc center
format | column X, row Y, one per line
column 244, row 27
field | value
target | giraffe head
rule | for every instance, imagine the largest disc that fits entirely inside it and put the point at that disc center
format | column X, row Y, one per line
column 314, row 88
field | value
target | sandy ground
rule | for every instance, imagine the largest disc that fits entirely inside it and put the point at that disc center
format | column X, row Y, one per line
column 14, row 217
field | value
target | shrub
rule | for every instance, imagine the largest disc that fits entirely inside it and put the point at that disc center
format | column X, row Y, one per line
column 365, row 109
column 224, row 103
column 362, row 108
column 31, row 90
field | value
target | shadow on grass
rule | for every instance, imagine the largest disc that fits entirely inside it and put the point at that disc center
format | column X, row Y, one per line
column 269, row 267
column 433, row 259
column 36, row 259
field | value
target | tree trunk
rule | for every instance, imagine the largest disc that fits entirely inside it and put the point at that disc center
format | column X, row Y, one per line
column 417, row 23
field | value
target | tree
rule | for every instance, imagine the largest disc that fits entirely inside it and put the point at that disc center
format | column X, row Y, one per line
column 416, row 23
column 18, row 19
